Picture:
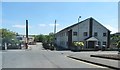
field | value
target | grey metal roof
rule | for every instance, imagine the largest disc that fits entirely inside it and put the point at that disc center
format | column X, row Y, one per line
column 92, row 39
column 79, row 23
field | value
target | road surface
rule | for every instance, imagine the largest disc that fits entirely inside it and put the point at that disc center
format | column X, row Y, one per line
column 37, row 57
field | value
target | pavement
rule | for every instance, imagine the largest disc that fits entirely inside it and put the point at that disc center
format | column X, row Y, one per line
column 84, row 56
column 0, row 59
column 37, row 57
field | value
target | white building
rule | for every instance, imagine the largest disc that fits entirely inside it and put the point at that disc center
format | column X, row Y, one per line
column 89, row 31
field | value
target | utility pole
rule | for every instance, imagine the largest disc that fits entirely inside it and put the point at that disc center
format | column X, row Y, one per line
column 55, row 27
column 79, row 18
column 26, row 43
column 54, row 33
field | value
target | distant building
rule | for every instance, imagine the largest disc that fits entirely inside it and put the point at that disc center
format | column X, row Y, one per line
column 118, row 33
column 89, row 31
column 22, row 38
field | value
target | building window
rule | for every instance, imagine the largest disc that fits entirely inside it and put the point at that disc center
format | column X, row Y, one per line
column 98, row 42
column 95, row 34
column 85, row 33
column 104, row 34
column 75, row 33
column 67, row 43
column 55, row 38
column 104, row 43
column 66, row 33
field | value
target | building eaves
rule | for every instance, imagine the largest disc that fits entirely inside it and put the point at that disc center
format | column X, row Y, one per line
column 72, row 25
column 79, row 23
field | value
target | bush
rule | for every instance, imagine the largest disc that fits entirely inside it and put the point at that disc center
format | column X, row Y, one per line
column 51, row 48
column 76, row 46
column 45, row 45
column 48, row 46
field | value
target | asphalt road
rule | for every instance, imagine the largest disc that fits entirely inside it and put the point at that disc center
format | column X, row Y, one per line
column 37, row 57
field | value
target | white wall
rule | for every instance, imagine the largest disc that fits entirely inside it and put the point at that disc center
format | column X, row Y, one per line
column 62, row 39
column 83, row 27
column 100, row 30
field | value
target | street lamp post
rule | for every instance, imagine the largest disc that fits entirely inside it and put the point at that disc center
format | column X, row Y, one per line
column 79, row 18
column 78, row 27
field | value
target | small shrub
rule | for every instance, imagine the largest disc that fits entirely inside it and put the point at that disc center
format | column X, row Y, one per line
column 78, row 44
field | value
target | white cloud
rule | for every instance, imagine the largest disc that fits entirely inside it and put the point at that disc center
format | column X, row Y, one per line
column 20, row 26
column 42, row 25
column 54, row 24
column 112, row 29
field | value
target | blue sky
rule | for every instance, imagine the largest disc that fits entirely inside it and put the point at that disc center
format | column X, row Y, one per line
column 41, row 15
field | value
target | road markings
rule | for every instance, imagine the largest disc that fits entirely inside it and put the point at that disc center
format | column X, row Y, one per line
column 87, row 63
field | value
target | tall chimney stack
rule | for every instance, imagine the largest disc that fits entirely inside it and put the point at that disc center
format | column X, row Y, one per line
column 26, row 34
column 119, row 16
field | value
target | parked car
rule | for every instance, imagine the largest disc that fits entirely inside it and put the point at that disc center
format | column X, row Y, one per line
column 13, row 46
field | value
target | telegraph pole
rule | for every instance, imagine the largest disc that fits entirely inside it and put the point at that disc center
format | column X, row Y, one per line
column 55, row 27
column 54, row 33
column 26, row 43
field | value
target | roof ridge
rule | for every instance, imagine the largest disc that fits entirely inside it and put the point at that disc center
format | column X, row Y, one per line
column 74, row 24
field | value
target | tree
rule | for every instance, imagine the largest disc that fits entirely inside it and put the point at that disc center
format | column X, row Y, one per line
column 47, row 40
column 7, row 35
column 44, row 38
column 50, row 37
column 114, row 39
column 39, row 38
column 118, row 45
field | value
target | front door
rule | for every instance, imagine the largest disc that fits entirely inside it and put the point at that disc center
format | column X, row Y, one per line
column 69, row 38
column 91, row 44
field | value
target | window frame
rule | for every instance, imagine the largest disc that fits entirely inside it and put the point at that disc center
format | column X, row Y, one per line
column 95, row 34
column 99, row 43
column 85, row 34
column 75, row 33
column 104, row 34
column 104, row 43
